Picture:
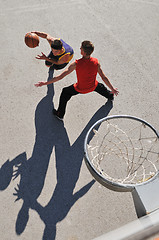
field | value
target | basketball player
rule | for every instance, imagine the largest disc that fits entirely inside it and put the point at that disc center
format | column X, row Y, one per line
column 86, row 68
column 60, row 55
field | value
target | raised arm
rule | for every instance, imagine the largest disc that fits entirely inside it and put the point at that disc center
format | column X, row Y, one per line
column 49, row 38
column 106, row 80
column 70, row 69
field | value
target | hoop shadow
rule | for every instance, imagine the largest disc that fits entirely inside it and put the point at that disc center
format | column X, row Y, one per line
column 50, row 133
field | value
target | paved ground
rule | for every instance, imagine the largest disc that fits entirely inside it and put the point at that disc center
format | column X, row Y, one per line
column 58, row 198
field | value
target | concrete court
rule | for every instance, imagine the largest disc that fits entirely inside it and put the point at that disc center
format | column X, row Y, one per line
column 58, row 198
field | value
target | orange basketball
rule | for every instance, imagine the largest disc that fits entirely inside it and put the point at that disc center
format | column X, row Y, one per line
column 31, row 40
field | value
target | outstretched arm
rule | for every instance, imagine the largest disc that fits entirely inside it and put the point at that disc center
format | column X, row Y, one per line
column 49, row 38
column 106, row 80
column 64, row 59
column 70, row 69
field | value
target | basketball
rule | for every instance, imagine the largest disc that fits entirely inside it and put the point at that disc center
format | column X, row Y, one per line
column 31, row 40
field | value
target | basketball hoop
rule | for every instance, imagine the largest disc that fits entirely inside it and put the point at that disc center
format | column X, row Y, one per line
column 122, row 152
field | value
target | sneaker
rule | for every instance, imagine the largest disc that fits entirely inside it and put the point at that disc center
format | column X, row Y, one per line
column 56, row 114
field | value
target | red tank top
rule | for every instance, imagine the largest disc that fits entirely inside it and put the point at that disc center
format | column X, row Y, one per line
column 86, row 70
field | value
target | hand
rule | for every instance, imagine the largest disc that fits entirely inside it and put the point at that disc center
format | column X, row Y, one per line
column 35, row 32
column 41, row 57
column 18, row 193
column 115, row 91
column 18, row 171
column 39, row 84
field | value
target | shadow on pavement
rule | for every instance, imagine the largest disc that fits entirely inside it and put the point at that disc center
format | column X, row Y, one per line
column 50, row 133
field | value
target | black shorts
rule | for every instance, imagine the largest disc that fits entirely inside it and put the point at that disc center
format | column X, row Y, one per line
column 55, row 66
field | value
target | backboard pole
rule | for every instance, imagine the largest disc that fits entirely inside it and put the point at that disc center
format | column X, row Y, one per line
column 141, row 228
column 146, row 197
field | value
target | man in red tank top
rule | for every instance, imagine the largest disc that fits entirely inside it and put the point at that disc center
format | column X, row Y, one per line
column 86, row 68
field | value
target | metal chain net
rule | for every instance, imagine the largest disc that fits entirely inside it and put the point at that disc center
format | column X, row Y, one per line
column 124, row 151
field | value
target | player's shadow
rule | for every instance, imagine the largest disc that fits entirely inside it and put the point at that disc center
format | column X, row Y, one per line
column 50, row 133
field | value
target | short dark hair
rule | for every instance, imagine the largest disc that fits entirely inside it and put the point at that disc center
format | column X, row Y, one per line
column 57, row 44
column 88, row 47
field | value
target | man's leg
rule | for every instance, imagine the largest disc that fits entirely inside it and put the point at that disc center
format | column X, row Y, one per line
column 47, row 63
column 66, row 94
column 102, row 90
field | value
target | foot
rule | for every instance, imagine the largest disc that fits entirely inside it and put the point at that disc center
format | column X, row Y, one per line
column 56, row 114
